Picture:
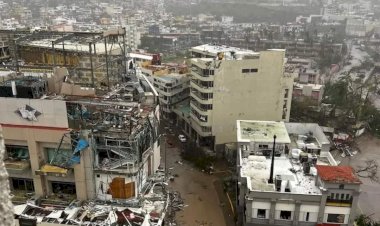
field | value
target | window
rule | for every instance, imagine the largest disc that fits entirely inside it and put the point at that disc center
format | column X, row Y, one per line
column 261, row 213
column 254, row 70
column 245, row 71
column 347, row 197
column 263, row 146
column 286, row 93
column 22, row 184
column 63, row 187
column 307, row 218
column 17, row 152
column 63, row 155
column 335, row 218
column 341, row 196
column 332, row 196
column 285, row 215
column 341, row 186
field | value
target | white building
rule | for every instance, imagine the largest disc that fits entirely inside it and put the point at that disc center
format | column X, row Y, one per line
column 304, row 187
column 172, row 89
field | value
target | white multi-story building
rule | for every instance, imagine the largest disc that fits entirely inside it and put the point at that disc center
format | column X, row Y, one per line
column 228, row 84
column 172, row 89
column 300, row 185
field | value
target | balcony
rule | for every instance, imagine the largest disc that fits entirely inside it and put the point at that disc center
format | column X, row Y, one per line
column 339, row 203
column 199, row 120
column 198, row 76
column 201, row 130
column 203, row 99
column 195, row 105
column 199, row 87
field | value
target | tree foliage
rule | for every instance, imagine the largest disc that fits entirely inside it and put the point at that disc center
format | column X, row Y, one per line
column 364, row 220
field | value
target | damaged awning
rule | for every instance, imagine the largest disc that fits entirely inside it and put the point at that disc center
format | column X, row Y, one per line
column 48, row 169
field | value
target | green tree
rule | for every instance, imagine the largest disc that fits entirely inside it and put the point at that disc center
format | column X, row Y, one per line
column 364, row 220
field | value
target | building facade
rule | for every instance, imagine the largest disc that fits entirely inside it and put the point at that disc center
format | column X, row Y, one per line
column 172, row 89
column 62, row 143
column 229, row 84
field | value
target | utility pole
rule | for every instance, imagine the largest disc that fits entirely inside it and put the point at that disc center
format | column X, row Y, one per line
column 92, row 67
column 165, row 157
column 270, row 181
column 108, row 76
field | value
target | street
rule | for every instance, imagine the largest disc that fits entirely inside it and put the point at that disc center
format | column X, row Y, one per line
column 202, row 193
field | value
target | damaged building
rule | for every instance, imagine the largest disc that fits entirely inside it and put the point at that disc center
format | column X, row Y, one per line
column 92, row 58
column 64, row 142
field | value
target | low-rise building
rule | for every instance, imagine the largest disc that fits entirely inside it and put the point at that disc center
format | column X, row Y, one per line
column 300, row 185
column 312, row 91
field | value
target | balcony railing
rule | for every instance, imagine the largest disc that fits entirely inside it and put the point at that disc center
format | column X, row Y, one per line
column 200, row 96
column 338, row 202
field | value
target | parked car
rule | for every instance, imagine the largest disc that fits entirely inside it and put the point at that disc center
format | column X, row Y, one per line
column 182, row 138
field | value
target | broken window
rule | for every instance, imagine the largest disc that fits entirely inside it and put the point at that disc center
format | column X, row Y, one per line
column 335, row 218
column 22, row 184
column 17, row 152
column 62, row 157
column 285, row 215
column 63, row 187
column 261, row 213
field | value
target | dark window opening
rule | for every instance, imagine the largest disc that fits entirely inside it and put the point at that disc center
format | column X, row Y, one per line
column 63, row 188
column 245, row 71
column 254, row 70
column 307, row 216
column 17, row 152
column 261, row 213
column 341, row 196
column 335, row 218
column 285, row 215
column 341, row 186
column 21, row 184
column 286, row 93
column 347, row 197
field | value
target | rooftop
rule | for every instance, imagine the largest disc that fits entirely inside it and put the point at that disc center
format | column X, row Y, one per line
column 338, row 174
column 229, row 52
column 289, row 172
column 262, row 131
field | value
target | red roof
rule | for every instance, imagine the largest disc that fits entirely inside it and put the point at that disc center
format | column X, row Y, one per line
column 337, row 174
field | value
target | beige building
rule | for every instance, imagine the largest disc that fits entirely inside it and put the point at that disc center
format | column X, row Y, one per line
column 228, row 84
column 63, row 144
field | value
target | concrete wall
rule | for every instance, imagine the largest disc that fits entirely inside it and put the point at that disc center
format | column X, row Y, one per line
column 53, row 112
column 46, row 132
column 252, row 96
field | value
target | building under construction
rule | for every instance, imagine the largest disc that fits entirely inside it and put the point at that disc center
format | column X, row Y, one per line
column 91, row 57
column 65, row 142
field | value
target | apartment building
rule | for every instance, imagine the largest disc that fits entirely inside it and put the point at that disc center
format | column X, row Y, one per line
column 229, row 83
column 172, row 89
column 300, row 185
column 64, row 143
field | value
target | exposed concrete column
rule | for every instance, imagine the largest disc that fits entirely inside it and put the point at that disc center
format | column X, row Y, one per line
column 272, row 211
column 87, row 160
column 6, row 206
column 248, row 211
column 322, row 207
column 35, row 160
column 355, row 200
column 296, row 213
